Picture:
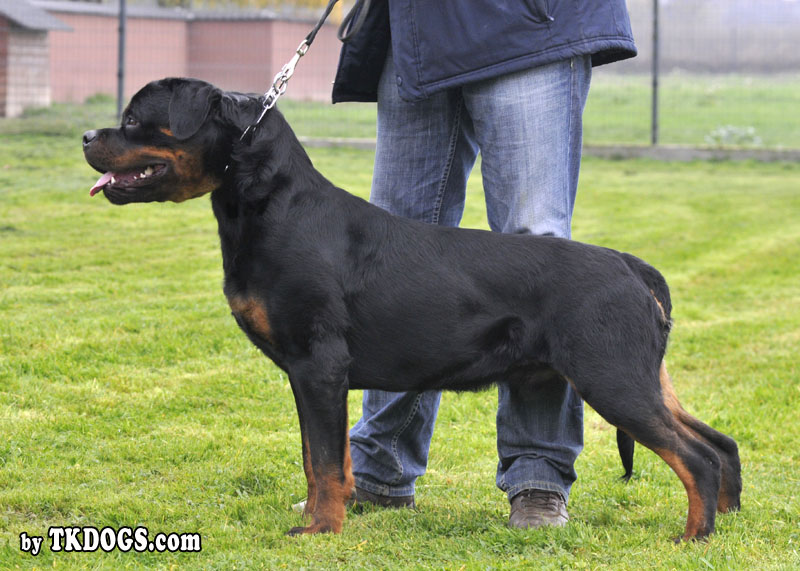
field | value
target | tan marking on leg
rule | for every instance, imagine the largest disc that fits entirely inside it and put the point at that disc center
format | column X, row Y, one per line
column 311, row 497
column 254, row 313
column 347, row 467
column 696, row 516
column 574, row 388
column 334, row 488
column 724, row 501
column 668, row 392
column 331, row 498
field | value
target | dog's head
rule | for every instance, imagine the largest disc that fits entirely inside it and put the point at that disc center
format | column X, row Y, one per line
column 173, row 143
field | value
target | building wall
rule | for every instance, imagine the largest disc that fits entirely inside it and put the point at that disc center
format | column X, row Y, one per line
column 313, row 79
column 232, row 55
column 84, row 61
column 26, row 70
column 4, row 31
column 239, row 55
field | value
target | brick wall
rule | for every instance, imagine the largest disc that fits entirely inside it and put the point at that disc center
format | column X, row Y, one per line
column 25, row 71
column 4, row 30
column 231, row 55
column 83, row 61
column 246, row 55
column 315, row 73
column 240, row 55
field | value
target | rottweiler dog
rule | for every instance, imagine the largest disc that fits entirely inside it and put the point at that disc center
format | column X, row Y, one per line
column 342, row 295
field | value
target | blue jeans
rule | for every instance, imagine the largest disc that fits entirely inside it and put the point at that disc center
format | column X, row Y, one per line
column 528, row 128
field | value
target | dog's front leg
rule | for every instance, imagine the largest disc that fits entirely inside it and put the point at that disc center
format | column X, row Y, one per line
column 320, row 390
column 311, row 493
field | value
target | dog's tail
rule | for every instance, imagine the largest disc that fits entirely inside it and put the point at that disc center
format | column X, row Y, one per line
column 657, row 285
column 625, row 445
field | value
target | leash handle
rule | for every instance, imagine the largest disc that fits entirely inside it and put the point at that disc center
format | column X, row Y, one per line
column 313, row 33
column 362, row 7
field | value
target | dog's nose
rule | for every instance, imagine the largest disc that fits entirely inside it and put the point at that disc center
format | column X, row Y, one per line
column 88, row 137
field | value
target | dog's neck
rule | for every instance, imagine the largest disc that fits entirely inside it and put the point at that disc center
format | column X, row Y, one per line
column 267, row 161
column 253, row 202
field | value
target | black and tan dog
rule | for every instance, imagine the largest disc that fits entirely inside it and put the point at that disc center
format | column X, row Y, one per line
column 342, row 295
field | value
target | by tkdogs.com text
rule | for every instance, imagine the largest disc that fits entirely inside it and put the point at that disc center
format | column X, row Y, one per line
column 90, row 539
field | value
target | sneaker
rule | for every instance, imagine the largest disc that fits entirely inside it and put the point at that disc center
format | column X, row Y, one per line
column 537, row 508
column 364, row 497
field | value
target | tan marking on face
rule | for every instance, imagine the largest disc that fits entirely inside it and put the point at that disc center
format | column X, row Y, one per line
column 166, row 131
column 188, row 169
column 254, row 313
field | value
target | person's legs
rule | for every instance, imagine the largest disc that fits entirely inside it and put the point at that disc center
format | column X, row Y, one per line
column 422, row 161
column 528, row 126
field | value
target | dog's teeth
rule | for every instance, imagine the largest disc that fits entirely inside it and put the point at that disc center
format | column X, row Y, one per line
column 148, row 171
column 113, row 180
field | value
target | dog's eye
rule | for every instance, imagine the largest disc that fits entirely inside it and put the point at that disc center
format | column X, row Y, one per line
column 131, row 122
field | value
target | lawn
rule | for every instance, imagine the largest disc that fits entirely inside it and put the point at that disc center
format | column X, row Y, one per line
column 697, row 110
column 128, row 396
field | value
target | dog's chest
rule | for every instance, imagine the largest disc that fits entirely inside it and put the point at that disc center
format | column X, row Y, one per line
column 251, row 315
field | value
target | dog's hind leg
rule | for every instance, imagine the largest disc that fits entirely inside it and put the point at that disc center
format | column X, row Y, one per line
column 698, row 467
column 649, row 419
column 731, row 485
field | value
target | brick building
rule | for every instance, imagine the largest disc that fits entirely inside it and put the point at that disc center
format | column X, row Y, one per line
column 68, row 51
column 236, row 51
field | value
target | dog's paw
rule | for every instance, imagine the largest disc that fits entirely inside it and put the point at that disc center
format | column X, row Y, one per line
column 311, row 529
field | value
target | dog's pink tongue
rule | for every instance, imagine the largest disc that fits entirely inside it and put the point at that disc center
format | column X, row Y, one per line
column 101, row 182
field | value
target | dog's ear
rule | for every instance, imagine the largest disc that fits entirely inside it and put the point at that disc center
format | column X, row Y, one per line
column 189, row 107
column 237, row 109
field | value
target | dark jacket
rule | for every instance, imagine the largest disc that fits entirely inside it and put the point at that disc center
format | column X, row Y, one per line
column 437, row 44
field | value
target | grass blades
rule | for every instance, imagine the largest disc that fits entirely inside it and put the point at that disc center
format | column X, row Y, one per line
column 128, row 397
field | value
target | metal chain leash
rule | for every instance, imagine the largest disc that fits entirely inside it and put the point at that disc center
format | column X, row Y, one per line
column 278, row 88
column 346, row 31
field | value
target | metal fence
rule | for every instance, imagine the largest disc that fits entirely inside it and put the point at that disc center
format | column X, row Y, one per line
column 728, row 75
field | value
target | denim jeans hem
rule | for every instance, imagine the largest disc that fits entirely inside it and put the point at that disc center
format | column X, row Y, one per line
column 536, row 485
column 382, row 489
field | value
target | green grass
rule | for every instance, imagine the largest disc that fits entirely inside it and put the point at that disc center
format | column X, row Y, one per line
column 128, row 396
column 692, row 108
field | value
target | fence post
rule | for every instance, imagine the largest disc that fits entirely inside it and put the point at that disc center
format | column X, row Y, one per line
column 654, row 102
column 123, row 22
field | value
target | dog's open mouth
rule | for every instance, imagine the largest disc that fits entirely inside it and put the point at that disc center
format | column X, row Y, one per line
column 129, row 180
